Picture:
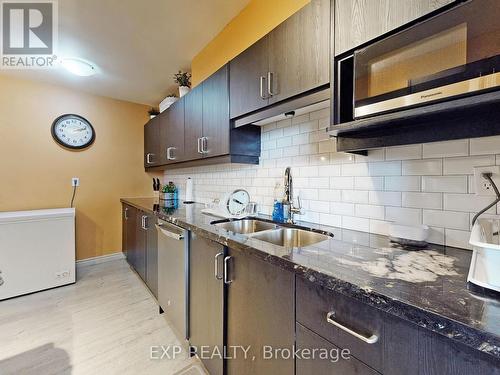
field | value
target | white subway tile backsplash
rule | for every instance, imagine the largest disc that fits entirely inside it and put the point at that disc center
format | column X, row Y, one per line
column 342, row 182
column 485, row 145
column 411, row 216
column 446, row 149
column 385, row 168
column 330, row 195
column 385, row 198
column 467, row 203
column 403, row 183
column 423, row 167
column 340, row 208
column 430, row 183
column 358, row 169
column 404, row 152
column 332, row 220
column 445, row 184
column 369, row 211
column 457, row 238
column 422, row 200
column 354, row 196
column 466, row 165
column 448, row 219
column 356, row 223
column 369, row 183
column 436, row 235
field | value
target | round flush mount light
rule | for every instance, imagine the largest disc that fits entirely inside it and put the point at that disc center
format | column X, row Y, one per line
column 78, row 66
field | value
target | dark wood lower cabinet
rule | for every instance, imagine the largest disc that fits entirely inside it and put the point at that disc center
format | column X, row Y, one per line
column 140, row 244
column 151, row 253
column 260, row 315
column 206, row 300
column 315, row 355
column 402, row 347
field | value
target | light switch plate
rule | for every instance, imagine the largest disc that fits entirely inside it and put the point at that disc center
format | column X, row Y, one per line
column 482, row 185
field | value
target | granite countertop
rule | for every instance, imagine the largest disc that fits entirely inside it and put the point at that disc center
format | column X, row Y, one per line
column 427, row 287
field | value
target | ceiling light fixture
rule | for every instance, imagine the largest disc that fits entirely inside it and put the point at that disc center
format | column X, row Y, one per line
column 78, row 67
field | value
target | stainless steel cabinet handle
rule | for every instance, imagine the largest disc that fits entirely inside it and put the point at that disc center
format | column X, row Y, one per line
column 262, row 79
column 126, row 213
column 148, row 158
column 369, row 340
column 175, row 236
column 226, row 271
column 199, row 146
column 217, row 276
column 204, row 145
column 169, row 153
column 144, row 221
column 270, row 77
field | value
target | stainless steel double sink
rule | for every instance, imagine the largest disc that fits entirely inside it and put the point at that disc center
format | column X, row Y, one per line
column 282, row 235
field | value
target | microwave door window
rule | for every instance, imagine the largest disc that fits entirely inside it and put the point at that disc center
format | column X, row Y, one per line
column 452, row 54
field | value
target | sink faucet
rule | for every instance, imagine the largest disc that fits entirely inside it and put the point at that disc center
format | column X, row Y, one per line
column 289, row 196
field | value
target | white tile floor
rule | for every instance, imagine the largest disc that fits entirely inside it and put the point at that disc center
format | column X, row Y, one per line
column 104, row 324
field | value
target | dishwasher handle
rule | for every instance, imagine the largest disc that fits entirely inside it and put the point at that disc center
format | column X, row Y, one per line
column 175, row 236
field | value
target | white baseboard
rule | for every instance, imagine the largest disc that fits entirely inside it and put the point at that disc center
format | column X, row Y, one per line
column 100, row 259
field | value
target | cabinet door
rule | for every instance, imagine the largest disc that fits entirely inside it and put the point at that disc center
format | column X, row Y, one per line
column 299, row 52
column 260, row 314
column 139, row 258
column 152, row 143
column 151, row 254
column 247, row 71
column 193, row 123
column 206, row 299
column 129, row 229
column 358, row 21
column 172, row 133
column 335, row 364
column 216, row 114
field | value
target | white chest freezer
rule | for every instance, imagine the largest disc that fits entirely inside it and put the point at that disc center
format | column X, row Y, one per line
column 37, row 250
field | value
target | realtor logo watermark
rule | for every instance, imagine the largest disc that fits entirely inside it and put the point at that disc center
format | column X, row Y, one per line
column 28, row 34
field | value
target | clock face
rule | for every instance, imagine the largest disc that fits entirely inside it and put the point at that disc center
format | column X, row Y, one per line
column 237, row 202
column 73, row 131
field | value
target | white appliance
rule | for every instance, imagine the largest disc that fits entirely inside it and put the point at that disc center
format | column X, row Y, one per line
column 37, row 250
column 485, row 263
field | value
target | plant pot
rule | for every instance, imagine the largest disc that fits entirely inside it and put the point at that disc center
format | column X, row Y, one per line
column 167, row 102
column 183, row 90
column 167, row 196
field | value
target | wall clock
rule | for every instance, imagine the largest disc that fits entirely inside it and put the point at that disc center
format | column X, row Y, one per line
column 73, row 131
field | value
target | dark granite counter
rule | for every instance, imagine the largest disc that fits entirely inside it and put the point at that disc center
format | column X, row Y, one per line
column 427, row 287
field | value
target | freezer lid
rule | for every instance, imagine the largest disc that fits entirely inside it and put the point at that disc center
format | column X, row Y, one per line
column 33, row 215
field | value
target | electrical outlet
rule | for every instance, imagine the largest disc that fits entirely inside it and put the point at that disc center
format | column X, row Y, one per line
column 75, row 181
column 482, row 185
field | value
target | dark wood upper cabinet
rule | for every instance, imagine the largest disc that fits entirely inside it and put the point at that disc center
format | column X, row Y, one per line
column 248, row 79
column 292, row 59
column 216, row 126
column 152, row 143
column 193, row 123
column 358, row 21
column 172, row 133
column 299, row 53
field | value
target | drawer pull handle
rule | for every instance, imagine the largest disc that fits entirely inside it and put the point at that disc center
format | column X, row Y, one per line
column 369, row 340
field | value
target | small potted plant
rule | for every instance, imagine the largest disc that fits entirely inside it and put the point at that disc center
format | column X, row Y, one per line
column 183, row 79
column 167, row 102
column 153, row 112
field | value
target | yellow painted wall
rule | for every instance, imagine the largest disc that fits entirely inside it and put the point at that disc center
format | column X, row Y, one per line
column 254, row 21
column 35, row 172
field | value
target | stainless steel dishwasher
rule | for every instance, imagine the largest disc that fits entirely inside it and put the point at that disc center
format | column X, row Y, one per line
column 172, row 275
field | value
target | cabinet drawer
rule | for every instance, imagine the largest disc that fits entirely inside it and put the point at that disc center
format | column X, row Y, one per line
column 352, row 324
column 335, row 364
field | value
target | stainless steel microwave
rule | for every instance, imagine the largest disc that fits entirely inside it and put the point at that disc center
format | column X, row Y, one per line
column 453, row 54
